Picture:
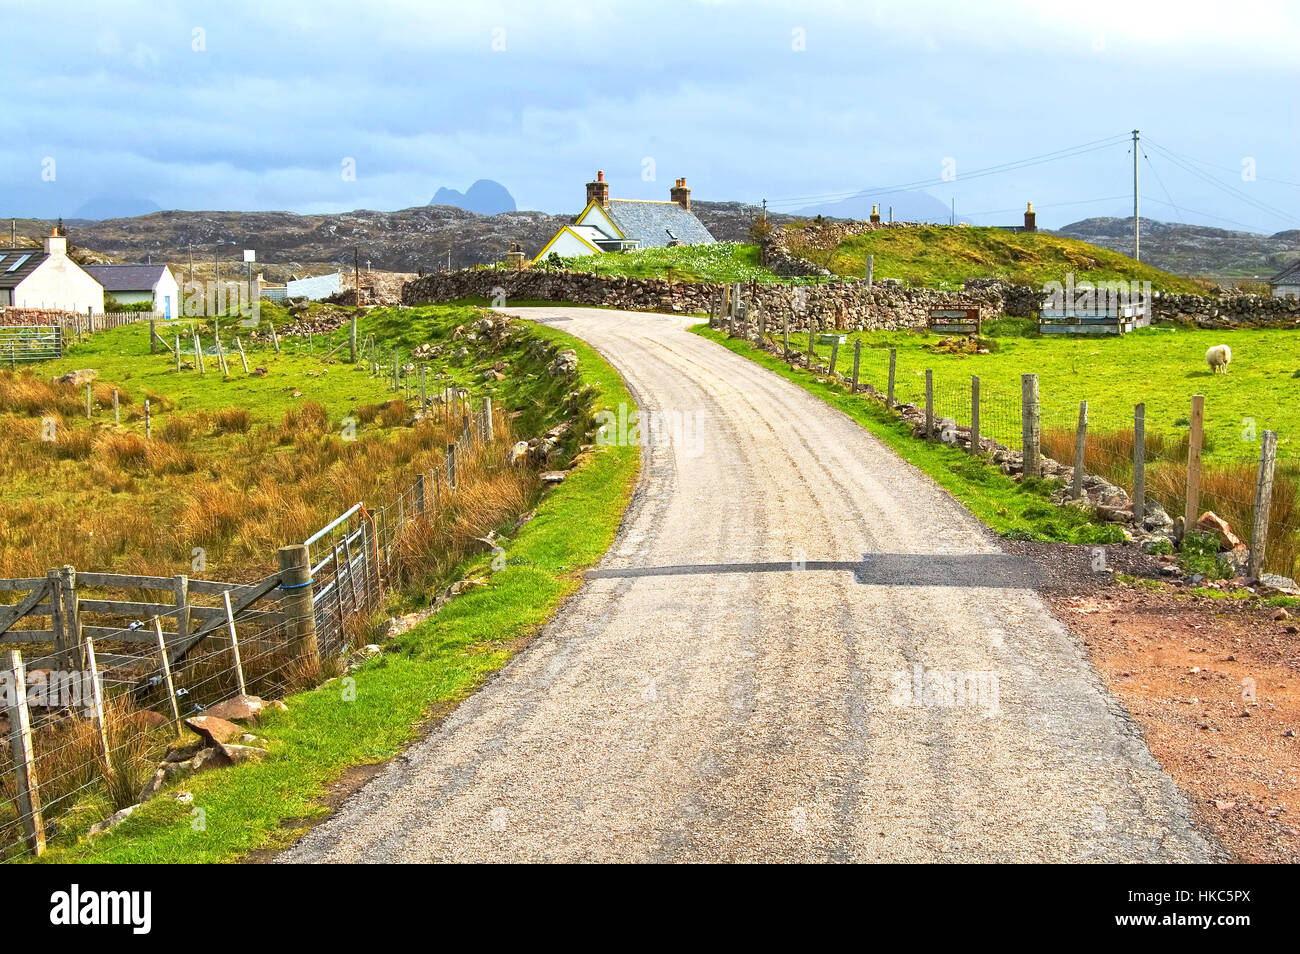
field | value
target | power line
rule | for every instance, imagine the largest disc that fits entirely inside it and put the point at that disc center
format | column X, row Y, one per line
column 1235, row 193
column 1066, row 153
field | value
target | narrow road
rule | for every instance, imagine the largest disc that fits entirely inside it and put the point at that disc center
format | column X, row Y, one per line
column 728, row 687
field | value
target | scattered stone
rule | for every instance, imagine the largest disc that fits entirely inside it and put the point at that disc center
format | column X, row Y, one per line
column 1211, row 523
column 213, row 729
column 108, row 824
column 238, row 709
column 76, row 378
column 553, row 477
column 242, row 753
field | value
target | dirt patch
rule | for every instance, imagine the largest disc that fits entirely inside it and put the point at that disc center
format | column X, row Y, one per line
column 1214, row 685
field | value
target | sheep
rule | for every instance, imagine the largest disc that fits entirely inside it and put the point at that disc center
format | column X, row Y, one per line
column 1218, row 358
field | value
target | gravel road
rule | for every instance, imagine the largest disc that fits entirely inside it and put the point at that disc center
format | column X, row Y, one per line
column 737, row 683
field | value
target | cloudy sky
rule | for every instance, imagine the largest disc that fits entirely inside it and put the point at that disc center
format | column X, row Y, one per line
column 270, row 105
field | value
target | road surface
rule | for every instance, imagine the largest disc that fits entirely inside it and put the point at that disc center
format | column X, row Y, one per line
column 799, row 648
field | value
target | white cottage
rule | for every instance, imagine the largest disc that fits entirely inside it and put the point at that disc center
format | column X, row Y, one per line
column 47, row 278
column 1286, row 283
column 132, row 284
column 616, row 225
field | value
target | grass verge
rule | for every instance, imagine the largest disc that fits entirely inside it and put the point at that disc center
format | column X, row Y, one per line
column 424, row 674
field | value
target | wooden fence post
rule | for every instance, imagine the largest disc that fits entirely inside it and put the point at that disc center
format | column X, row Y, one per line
column 299, row 605
column 1263, row 503
column 166, row 664
column 148, row 420
column 871, row 269
column 198, row 352
column 181, row 595
column 97, row 703
column 352, row 340
column 176, row 340
column 419, row 494
column 857, row 360
column 451, row 466
column 240, row 345
column 488, row 428
column 89, row 395
column 1080, row 447
column 1139, row 464
column 24, row 757
column 812, row 333
column 835, row 353
column 929, row 404
column 974, row 414
column 71, row 618
column 1194, row 441
column 785, row 336
column 234, row 642
column 117, row 418
column 1030, row 425
column 275, row 340
column 893, row 359
column 153, row 336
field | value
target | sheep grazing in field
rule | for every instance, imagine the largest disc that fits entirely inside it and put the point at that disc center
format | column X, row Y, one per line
column 1218, row 358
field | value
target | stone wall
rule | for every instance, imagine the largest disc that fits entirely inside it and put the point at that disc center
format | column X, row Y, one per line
column 31, row 317
column 845, row 305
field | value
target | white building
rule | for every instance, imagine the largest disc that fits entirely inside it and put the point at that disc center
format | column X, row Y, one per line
column 617, row 225
column 132, row 284
column 47, row 278
column 1286, row 283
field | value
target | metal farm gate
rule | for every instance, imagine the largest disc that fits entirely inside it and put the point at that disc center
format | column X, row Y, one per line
column 30, row 343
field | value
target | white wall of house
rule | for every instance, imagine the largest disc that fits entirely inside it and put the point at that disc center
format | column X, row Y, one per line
column 59, row 282
column 598, row 218
column 566, row 245
column 1286, row 291
column 167, row 295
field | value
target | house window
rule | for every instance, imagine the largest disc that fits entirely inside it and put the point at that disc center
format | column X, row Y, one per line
column 17, row 264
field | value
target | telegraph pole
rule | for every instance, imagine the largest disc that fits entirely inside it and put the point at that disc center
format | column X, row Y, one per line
column 1137, row 248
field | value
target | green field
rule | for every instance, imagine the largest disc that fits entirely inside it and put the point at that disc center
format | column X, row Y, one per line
column 1162, row 366
column 939, row 256
column 723, row 262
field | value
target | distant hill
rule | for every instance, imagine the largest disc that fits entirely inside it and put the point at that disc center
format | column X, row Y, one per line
column 1193, row 249
column 109, row 207
column 484, row 197
column 404, row 241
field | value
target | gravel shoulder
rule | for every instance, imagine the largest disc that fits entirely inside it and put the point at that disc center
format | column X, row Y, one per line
column 727, row 688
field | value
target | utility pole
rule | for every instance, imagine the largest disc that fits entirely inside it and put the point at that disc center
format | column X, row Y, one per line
column 952, row 219
column 765, row 210
column 356, row 273
column 1137, row 248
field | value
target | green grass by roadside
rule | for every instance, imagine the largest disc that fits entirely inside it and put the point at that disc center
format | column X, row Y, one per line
column 1009, row 508
column 424, row 673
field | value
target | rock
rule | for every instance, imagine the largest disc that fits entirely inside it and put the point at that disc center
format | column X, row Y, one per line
column 243, row 753
column 1283, row 584
column 552, row 477
column 213, row 729
column 276, row 704
column 148, row 719
column 238, row 709
column 76, row 378
column 1211, row 523
column 108, row 824
column 205, row 759
column 565, row 365
column 518, row 453
column 1155, row 519
column 1281, row 614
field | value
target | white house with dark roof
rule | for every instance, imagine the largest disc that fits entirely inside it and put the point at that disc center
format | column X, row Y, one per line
column 132, row 284
column 46, row 278
column 617, row 225
column 1286, row 283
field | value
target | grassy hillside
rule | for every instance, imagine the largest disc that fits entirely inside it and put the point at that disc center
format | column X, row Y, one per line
column 723, row 262
column 941, row 256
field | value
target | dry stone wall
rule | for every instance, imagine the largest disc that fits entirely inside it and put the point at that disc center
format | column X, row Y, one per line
column 844, row 305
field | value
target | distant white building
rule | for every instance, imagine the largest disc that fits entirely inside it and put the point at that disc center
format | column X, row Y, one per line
column 47, row 278
column 132, row 284
column 316, row 288
column 1286, row 283
column 618, row 225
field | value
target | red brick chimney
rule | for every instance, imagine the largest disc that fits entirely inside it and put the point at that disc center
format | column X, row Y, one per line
column 1031, row 224
column 681, row 194
column 598, row 191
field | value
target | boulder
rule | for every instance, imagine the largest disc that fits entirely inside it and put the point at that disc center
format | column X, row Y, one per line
column 213, row 729
column 243, row 753
column 76, row 378
column 238, row 709
column 108, row 824
column 1211, row 523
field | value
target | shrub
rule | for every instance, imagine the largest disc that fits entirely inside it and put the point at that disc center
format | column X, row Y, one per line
column 232, row 420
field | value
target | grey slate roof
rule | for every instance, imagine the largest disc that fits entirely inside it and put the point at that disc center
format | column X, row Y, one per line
column 649, row 223
column 126, row 277
column 1288, row 276
column 8, row 256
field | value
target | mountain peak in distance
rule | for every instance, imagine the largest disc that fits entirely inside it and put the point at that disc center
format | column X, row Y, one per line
column 484, row 197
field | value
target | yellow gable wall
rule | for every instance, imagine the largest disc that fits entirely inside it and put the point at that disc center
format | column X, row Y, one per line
column 595, row 216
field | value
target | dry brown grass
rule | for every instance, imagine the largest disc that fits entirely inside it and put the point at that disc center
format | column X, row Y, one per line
column 232, row 420
column 1227, row 487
